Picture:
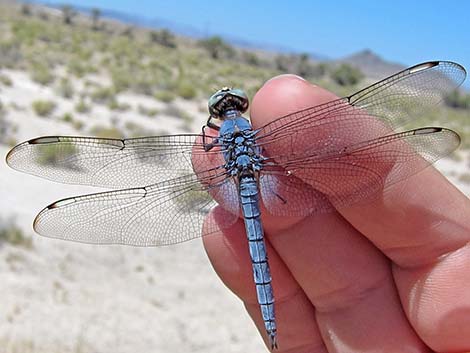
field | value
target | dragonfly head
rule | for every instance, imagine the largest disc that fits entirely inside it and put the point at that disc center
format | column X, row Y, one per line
column 227, row 99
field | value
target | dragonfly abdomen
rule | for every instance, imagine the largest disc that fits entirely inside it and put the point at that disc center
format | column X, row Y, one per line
column 249, row 200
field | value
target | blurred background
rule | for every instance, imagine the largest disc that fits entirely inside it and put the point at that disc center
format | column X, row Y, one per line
column 126, row 69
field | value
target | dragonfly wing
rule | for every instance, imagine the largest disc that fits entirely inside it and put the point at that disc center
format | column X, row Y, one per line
column 166, row 213
column 112, row 163
column 372, row 112
column 358, row 172
column 405, row 95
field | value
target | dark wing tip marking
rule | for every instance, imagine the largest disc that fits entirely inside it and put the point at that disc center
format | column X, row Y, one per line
column 36, row 220
column 434, row 130
column 35, row 141
column 430, row 64
column 428, row 130
column 121, row 143
column 60, row 203
column 423, row 66
column 53, row 205
column 43, row 140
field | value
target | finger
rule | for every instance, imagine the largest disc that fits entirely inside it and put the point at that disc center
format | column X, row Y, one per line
column 229, row 254
column 422, row 221
column 344, row 275
column 417, row 222
column 437, row 299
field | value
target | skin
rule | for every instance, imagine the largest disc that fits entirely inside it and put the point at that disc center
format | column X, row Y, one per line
column 391, row 275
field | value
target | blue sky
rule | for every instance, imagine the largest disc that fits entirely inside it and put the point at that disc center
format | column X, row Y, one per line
column 403, row 31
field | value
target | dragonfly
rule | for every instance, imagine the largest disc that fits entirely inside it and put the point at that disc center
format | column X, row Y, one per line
column 346, row 151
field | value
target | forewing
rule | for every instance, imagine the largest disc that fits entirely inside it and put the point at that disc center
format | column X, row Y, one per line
column 370, row 113
column 112, row 163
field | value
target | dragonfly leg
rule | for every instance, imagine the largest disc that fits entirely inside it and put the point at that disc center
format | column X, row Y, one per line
column 207, row 146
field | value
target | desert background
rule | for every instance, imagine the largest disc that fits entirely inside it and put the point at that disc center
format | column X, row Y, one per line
column 81, row 71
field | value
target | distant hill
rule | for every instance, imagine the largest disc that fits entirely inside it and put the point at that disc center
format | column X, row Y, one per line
column 371, row 64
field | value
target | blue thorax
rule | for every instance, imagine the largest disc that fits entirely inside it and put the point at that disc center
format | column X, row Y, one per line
column 231, row 126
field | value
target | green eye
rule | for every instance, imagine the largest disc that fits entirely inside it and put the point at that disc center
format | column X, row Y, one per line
column 224, row 98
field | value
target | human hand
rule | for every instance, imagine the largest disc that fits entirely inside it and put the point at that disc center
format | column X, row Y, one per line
column 389, row 276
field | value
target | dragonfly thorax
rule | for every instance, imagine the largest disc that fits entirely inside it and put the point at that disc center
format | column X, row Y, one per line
column 232, row 127
column 242, row 155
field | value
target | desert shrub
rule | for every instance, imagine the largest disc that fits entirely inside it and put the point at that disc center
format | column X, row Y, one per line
column 144, row 84
column 68, row 14
column 10, row 233
column 65, row 88
column 117, row 106
column 67, row 117
column 164, row 96
column 40, row 73
column 103, row 95
column 82, row 107
column 163, row 37
column 173, row 110
column 136, row 130
column 304, row 65
column 186, row 90
column 458, row 100
column 151, row 112
column 25, row 31
column 43, row 15
column 95, row 18
column 106, row 131
column 6, row 128
column 346, row 75
column 78, row 124
column 227, row 70
column 50, row 155
column 10, row 54
column 306, row 68
column 76, row 67
column 122, row 79
column 5, row 80
column 26, row 9
column 283, row 62
column 217, row 47
column 128, row 32
column 250, row 58
column 43, row 107
column 319, row 70
column 465, row 178
column 121, row 48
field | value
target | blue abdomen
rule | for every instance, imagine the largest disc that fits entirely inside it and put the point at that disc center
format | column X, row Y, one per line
column 249, row 200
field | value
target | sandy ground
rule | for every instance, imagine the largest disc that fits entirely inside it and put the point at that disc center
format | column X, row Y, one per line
column 65, row 297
